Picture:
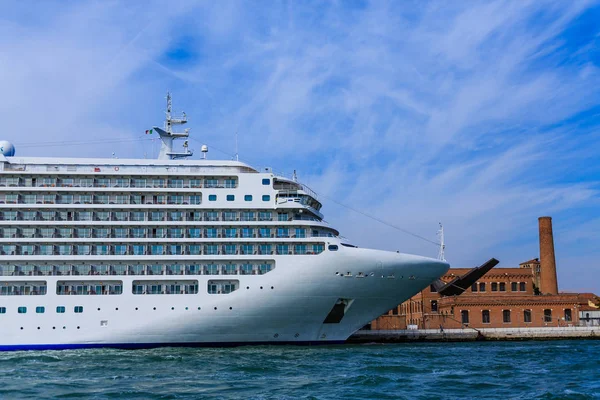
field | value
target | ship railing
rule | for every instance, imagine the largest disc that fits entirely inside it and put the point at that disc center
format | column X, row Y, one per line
column 329, row 235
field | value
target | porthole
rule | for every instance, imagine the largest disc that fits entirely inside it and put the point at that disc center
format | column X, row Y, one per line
column 333, row 247
column 247, row 287
column 64, row 327
column 199, row 308
column 186, row 308
column 116, row 308
column 77, row 327
column 154, row 308
column 231, row 308
column 21, row 328
column 261, row 287
column 172, row 308
column 136, row 309
column 53, row 327
column 98, row 308
column 39, row 327
column 272, row 287
column 215, row 308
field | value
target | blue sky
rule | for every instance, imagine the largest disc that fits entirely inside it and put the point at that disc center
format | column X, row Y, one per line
column 481, row 115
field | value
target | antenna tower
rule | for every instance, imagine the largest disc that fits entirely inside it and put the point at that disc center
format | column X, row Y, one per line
column 167, row 135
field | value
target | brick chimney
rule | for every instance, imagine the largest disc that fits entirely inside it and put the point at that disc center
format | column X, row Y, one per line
column 548, row 280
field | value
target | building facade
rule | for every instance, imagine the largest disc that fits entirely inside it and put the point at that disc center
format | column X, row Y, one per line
column 502, row 298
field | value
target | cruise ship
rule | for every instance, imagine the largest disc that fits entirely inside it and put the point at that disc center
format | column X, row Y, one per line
column 174, row 251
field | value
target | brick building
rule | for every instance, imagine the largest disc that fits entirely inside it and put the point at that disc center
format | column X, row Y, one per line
column 502, row 298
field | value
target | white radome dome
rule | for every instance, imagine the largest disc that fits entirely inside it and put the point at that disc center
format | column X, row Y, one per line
column 6, row 148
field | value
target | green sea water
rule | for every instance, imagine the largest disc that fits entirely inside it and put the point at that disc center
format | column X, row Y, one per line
column 499, row 370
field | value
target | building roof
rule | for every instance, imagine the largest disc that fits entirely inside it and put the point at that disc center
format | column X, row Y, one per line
column 532, row 261
column 495, row 272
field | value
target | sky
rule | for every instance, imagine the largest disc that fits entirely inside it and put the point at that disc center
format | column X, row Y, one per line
column 483, row 115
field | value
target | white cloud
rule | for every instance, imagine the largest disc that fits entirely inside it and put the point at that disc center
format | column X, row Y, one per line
column 472, row 114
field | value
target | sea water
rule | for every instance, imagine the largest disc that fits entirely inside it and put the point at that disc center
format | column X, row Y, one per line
column 506, row 370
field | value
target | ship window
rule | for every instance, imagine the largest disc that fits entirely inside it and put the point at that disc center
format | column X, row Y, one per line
column 248, row 197
column 266, row 181
column 526, row 315
column 265, row 216
column 283, row 232
column 247, row 249
column 333, row 247
column 211, row 249
column 300, row 249
column 78, row 309
column 195, row 199
column 230, row 216
column 40, row 310
column 230, row 249
column 212, row 197
column 230, row 197
column 485, row 316
column 264, row 232
column 246, row 269
column 165, row 287
column 211, row 232
column 21, row 287
column 266, row 197
column 222, row 286
column 247, row 232
column 282, row 249
column 282, row 217
column 2, row 310
column 319, row 247
column 506, row 316
column 211, row 183
column 248, row 215
column 22, row 310
column 265, row 249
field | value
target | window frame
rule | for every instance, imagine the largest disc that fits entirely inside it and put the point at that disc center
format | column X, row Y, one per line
column 486, row 317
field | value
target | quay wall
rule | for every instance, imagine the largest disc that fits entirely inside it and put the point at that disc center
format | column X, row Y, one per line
column 469, row 334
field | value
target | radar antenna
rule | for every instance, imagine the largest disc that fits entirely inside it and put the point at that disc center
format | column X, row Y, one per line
column 167, row 135
column 441, row 255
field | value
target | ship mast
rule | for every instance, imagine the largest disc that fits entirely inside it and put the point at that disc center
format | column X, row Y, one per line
column 441, row 255
column 167, row 135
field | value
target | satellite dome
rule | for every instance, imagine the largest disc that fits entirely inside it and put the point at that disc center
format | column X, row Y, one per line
column 6, row 148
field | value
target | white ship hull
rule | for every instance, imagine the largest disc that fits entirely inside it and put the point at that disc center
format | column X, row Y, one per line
column 287, row 305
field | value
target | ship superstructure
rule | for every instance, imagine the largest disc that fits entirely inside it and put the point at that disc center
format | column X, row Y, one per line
column 174, row 251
